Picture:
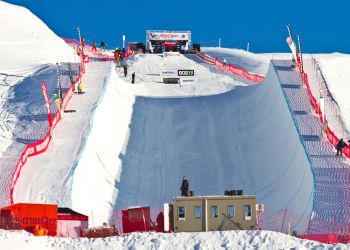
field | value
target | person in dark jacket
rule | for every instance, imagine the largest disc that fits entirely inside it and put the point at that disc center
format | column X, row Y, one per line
column 340, row 145
column 103, row 45
column 125, row 70
column 133, row 78
column 184, row 187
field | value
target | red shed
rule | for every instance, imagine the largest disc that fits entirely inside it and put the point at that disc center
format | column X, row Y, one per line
column 136, row 219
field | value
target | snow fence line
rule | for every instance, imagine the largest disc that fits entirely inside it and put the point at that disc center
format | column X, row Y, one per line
column 42, row 145
column 95, row 53
column 332, row 138
column 231, row 68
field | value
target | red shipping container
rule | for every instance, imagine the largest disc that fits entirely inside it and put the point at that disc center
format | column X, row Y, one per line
column 30, row 215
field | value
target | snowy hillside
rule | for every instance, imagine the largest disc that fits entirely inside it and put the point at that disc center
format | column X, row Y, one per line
column 27, row 43
column 335, row 68
column 27, row 46
column 249, row 61
column 122, row 144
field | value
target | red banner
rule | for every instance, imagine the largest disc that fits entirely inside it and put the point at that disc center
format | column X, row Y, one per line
column 47, row 102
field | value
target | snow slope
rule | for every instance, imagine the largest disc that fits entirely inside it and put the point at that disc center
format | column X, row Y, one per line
column 335, row 68
column 27, row 43
column 212, row 240
column 255, row 63
column 46, row 178
column 27, row 46
column 140, row 146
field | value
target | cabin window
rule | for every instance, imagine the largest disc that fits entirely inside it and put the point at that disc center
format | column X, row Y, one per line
column 197, row 212
column 247, row 212
column 231, row 211
column 214, row 211
column 181, row 213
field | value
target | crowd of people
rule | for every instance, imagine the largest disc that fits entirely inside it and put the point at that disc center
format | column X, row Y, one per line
column 119, row 56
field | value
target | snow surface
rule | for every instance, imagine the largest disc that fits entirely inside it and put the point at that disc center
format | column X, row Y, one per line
column 224, row 134
column 335, row 69
column 27, row 46
column 254, row 63
column 45, row 174
column 140, row 146
column 206, row 240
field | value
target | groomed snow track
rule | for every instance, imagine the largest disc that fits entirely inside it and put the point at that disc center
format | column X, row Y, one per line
column 331, row 202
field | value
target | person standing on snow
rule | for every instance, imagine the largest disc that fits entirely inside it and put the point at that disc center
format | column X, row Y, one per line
column 94, row 46
column 184, row 187
column 133, row 78
column 116, row 55
column 103, row 45
column 57, row 101
column 123, row 53
column 224, row 62
column 125, row 70
column 340, row 145
column 82, row 41
column 80, row 88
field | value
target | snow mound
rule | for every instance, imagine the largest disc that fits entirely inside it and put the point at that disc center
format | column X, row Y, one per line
column 253, row 63
column 209, row 240
column 27, row 43
column 26, row 46
column 335, row 68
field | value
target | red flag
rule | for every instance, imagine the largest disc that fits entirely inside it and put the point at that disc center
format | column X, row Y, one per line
column 47, row 102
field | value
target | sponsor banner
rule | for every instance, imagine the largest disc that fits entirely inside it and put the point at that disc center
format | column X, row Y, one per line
column 47, row 102
column 292, row 47
column 168, row 80
column 168, row 72
column 185, row 72
column 188, row 80
column 167, row 36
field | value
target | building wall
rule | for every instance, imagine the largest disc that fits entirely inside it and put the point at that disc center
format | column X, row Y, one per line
column 29, row 215
column 222, row 221
column 70, row 228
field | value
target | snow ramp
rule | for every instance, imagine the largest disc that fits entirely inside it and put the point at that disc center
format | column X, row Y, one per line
column 139, row 148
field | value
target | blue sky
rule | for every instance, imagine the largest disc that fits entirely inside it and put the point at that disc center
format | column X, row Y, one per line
column 322, row 25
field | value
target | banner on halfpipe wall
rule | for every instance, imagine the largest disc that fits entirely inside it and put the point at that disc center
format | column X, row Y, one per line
column 171, row 80
column 47, row 101
column 188, row 80
column 168, row 72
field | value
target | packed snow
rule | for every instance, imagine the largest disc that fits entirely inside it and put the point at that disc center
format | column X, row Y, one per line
column 335, row 69
column 131, row 143
column 209, row 240
column 255, row 63
column 27, row 46
column 139, row 156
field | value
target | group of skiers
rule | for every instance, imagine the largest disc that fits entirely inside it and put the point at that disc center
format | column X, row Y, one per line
column 94, row 45
column 119, row 56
